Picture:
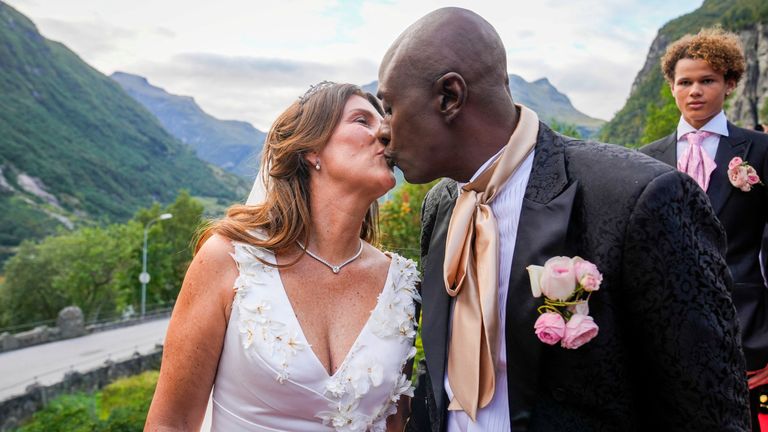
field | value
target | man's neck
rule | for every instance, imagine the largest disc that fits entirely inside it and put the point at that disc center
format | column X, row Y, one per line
column 486, row 144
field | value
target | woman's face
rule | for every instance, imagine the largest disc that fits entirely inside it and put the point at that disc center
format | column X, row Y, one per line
column 699, row 91
column 353, row 157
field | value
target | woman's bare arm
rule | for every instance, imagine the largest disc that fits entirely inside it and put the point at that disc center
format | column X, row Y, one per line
column 194, row 340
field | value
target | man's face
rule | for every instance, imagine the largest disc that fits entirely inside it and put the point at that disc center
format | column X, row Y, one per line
column 411, row 128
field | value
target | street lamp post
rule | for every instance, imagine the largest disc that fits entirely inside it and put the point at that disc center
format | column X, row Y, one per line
column 144, row 276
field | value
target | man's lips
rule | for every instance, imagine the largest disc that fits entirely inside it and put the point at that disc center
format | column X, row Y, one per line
column 390, row 160
column 696, row 104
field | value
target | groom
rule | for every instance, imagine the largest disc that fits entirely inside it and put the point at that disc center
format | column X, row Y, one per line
column 667, row 355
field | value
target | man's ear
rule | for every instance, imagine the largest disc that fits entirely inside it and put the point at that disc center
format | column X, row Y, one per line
column 451, row 90
column 730, row 86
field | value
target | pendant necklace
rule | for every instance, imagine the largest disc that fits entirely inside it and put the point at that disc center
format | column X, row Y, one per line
column 334, row 268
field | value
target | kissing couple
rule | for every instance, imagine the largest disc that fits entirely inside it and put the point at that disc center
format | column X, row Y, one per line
column 565, row 285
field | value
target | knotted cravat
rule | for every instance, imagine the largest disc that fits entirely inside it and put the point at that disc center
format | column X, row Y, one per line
column 695, row 161
column 471, row 270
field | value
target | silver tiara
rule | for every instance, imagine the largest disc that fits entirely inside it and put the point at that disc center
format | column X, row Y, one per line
column 314, row 89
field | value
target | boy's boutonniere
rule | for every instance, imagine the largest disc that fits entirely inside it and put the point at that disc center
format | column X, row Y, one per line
column 742, row 175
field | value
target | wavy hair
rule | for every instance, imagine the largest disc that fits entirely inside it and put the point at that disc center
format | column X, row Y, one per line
column 284, row 217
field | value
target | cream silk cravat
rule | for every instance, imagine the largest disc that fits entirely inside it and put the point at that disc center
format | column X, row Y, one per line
column 471, row 270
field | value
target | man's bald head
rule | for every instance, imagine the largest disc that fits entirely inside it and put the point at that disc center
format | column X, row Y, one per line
column 448, row 40
column 444, row 87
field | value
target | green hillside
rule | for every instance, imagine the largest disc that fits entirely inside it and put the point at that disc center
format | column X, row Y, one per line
column 628, row 125
column 74, row 147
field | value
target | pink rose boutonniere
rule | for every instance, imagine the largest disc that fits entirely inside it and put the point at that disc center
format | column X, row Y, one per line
column 742, row 175
column 566, row 284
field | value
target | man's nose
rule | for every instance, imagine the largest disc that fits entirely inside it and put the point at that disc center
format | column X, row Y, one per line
column 384, row 133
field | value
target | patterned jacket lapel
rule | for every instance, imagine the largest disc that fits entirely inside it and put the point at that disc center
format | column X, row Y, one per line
column 541, row 234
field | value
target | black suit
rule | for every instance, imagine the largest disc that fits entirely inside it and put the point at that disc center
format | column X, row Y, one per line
column 744, row 216
column 667, row 356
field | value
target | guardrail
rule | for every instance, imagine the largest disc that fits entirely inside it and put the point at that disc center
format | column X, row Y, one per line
column 152, row 309
column 44, row 334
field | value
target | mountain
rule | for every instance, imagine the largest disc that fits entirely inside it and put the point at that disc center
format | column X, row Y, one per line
column 650, row 95
column 75, row 148
column 548, row 102
column 232, row 145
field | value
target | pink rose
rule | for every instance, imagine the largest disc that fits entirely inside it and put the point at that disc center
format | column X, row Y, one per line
column 739, row 178
column 558, row 279
column 734, row 163
column 579, row 330
column 587, row 275
column 550, row 328
column 752, row 177
column 579, row 308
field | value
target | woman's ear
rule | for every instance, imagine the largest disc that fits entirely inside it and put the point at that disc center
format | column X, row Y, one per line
column 451, row 92
column 312, row 158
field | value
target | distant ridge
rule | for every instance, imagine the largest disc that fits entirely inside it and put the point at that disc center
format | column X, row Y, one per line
column 229, row 144
column 544, row 98
column 75, row 149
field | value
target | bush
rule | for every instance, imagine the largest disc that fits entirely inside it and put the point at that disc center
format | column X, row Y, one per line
column 120, row 407
column 400, row 220
column 68, row 413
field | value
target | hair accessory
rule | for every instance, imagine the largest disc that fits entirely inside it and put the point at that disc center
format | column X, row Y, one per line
column 314, row 89
column 317, row 164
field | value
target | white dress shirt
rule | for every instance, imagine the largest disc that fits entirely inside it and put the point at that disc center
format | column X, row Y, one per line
column 506, row 207
column 718, row 126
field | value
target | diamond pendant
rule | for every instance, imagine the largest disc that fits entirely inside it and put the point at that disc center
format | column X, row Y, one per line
column 335, row 269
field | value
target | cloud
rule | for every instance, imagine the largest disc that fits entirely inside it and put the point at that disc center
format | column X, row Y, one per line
column 247, row 60
column 248, row 88
column 88, row 38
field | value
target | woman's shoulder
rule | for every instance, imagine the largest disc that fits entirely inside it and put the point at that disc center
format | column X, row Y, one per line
column 215, row 251
column 404, row 271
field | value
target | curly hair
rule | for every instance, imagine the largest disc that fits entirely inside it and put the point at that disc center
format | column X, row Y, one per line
column 720, row 48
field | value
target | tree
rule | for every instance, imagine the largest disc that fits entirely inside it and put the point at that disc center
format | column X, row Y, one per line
column 565, row 128
column 98, row 268
column 400, row 220
column 84, row 268
column 169, row 247
column 661, row 118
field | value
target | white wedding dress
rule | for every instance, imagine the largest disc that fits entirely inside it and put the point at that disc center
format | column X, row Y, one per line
column 269, row 379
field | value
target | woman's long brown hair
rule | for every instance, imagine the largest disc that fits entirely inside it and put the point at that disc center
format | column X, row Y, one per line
column 284, row 217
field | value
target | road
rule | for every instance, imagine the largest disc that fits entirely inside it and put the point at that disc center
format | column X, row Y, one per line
column 48, row 363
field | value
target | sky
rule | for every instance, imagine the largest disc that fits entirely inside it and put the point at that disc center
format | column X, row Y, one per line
column 248, row 60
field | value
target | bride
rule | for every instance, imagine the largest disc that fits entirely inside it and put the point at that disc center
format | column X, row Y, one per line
column 288, row 310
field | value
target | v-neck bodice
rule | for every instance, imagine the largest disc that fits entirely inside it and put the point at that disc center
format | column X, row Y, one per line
column 270, row 379
column 360, row 334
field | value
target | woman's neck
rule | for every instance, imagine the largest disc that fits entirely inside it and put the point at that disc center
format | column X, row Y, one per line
column 336, row 223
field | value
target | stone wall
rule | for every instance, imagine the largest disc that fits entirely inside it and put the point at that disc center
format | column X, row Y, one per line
column 69, row 324
column 14, row 411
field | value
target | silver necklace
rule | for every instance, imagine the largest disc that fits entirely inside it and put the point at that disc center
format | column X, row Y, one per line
column 334, row 268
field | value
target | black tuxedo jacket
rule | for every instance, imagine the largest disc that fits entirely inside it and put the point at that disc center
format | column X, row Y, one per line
column 667, row 356
column 744, row 216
